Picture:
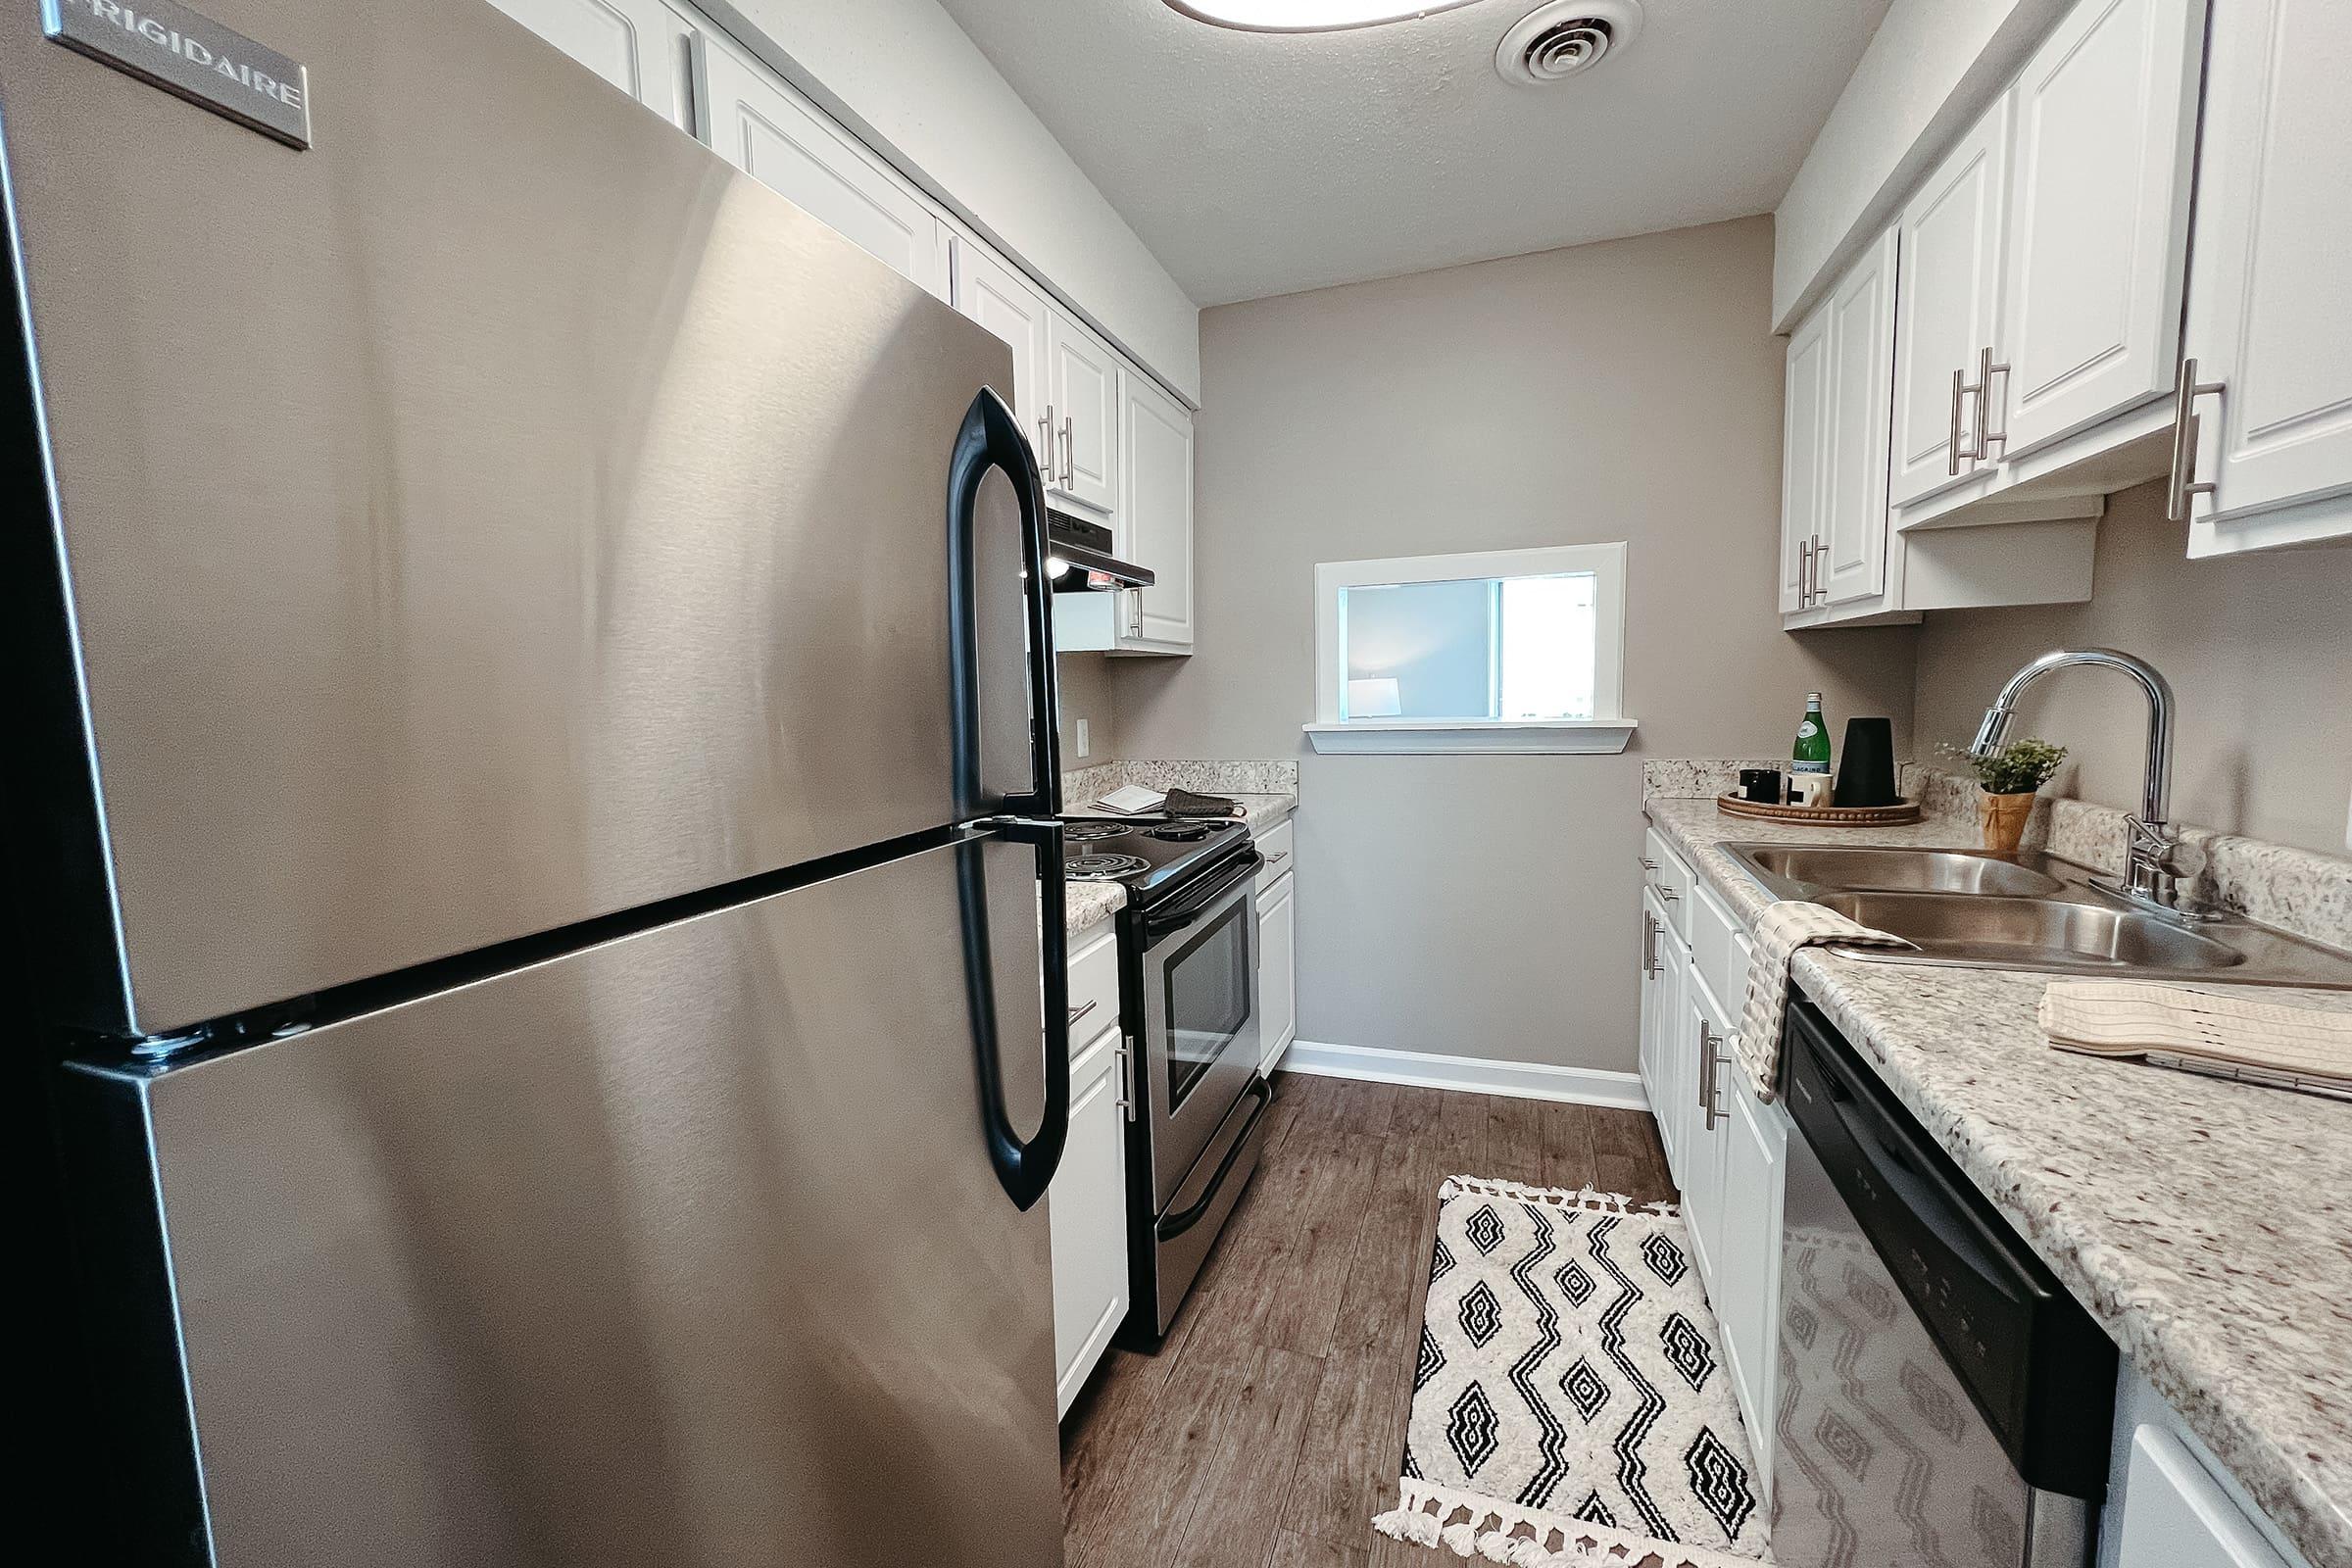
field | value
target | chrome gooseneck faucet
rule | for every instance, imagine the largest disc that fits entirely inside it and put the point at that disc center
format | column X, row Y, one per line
column 2156, row 859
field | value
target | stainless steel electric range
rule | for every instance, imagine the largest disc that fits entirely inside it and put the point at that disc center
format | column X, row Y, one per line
column 1188, row 996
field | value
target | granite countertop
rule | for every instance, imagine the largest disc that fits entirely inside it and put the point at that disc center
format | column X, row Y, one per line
column 2206, row 1225
column 1085, row 902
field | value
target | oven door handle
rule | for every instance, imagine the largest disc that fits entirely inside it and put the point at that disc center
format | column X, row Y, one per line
column 1158, row 923
column 1184, row 1218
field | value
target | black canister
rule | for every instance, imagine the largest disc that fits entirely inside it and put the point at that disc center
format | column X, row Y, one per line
column 1866, row 766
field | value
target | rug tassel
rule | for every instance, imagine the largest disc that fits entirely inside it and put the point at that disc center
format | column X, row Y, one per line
column 1584, row 1198
column 1429, row 1514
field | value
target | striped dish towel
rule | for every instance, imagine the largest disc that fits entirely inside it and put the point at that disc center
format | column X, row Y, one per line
column 1781, row 930
column 2212, row 1032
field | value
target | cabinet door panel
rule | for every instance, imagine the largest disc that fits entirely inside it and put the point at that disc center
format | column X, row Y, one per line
column 2267, row 313
column 1748, row 1303
column 2099, row 217
column 1857, row 428
column 1155, row 505
column 1086, row 1213
column 640, row 46
column 1678, row 1056
column 1278, row 972
column 764, row 129
column 1703, row 1165
column 1086, row 399
column 1951, row 261
column 1009, row 306
column 1804, row 447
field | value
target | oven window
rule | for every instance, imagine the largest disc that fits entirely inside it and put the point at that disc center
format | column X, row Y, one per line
column 1208, row 999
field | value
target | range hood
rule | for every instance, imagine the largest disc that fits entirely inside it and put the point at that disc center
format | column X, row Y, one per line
column 1078, row 557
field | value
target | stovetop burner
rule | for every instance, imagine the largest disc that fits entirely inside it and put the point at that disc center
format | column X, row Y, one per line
column 1102, row 867
column 1088, row 832
column 1182, row 832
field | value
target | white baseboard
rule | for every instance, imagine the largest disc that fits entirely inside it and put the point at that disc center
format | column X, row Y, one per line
column 1524, row 1080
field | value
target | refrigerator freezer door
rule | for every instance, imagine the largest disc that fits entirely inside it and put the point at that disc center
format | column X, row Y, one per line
column 500, row 514
column 683, row 1250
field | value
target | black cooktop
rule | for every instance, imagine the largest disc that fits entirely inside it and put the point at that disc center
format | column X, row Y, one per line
column 1149, row 855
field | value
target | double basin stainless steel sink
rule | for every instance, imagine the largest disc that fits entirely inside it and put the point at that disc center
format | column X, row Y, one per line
column 2028, row 911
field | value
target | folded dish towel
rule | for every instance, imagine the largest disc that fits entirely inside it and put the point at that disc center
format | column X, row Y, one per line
column 2220, row 1033
column 1184, row 803
column 1781, row 930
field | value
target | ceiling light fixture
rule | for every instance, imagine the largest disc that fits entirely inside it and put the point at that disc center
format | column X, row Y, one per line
column 1308, row 15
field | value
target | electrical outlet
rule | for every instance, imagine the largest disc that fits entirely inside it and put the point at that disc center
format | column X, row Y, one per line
column 1085, row 748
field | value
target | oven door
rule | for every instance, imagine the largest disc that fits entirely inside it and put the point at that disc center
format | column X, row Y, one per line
column 1201, row 1018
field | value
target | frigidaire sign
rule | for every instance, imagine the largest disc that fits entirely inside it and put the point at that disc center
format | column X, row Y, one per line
column 172, row 47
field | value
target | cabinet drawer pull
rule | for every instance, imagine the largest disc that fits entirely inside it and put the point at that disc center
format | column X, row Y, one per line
column 1647, row 864
column 1127, row 1075
column 1278, row 858
column 1649, row 945
column 1069, row 453
column 1668, row 893
column 1046, row 451
column 1077, row 1014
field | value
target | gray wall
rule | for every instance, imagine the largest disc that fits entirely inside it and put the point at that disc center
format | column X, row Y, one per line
column 1630, row 390
column 1085, row 681
column 2258, row 650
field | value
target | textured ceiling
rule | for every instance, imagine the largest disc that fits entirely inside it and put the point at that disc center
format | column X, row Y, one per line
column 1257, row 164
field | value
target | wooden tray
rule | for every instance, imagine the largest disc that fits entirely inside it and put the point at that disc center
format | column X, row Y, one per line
column 1894, row 815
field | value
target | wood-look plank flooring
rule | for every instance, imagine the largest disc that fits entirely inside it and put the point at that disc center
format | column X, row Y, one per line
column 1268, row 1431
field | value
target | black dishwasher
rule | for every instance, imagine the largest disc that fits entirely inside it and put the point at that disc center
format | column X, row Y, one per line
column 1942, row 1398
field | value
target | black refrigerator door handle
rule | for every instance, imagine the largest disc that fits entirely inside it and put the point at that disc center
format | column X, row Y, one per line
column 1024, row 1167
column 991, row 439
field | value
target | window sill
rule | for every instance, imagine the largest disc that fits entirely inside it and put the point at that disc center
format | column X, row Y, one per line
column 1429, row 737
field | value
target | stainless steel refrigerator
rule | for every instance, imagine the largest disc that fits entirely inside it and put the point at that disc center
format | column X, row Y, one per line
column 534, row 672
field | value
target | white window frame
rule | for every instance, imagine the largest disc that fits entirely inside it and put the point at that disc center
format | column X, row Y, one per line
column 1607, row 731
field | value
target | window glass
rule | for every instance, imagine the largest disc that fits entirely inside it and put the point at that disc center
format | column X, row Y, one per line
column 1480, row 648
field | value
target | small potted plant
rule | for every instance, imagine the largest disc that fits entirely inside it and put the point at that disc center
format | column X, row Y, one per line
column 2008, row 780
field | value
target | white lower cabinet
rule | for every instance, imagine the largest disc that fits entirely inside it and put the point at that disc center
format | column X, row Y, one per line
column 1276, row 959
column 1726, row 1150
column 1706, row 1043
column 1747, row 1264
column 1087, row 1205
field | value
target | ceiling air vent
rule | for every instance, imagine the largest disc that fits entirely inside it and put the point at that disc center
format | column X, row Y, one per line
column 1560, row 39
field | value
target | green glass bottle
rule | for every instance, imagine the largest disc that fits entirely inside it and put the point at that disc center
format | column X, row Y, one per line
column 1812, row 754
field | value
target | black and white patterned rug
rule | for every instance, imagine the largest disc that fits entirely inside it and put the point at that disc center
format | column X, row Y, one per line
column 1571, row 1403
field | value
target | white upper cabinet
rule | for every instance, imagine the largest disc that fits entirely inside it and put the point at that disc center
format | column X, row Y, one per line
column 1850, row 555
column 1803, row 457
column 643, row 47
column 771, row 133
column 1009, row 305
column 1084, row 375
column 2105, row 127
column 1156, row 506
column 2270, row 307
column 1950, row 237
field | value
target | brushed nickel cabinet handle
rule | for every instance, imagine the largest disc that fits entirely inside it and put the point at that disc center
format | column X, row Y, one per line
column 1127, row 1075
column 1277, row 860
column 1069, row 451
column 1987, row 435
column 2186, row 428
column 1821, row 556
column 1077, row 1014
column 1647, row 864
column 1951, row 464
column 1804, row 574
column 1649, row 945
column 1710, row 1065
